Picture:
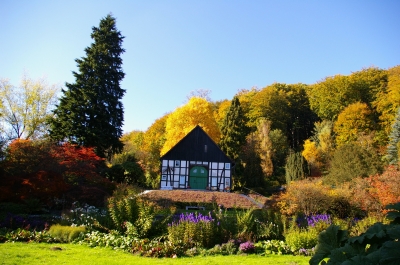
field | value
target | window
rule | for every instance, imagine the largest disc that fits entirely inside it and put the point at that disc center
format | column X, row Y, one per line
column 227, row 165
column 182, row 180
column 164, row 177
column 177, row 163
column 214, row 182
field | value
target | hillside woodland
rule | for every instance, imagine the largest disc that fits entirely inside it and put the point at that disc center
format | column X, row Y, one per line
column 337, row 129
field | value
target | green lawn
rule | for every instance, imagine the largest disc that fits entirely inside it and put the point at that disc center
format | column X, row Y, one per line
column 40, row 253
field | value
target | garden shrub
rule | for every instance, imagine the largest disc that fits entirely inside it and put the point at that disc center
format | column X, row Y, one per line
column 66, row 233
column 216, row 250
column 302, row 238
column 245, row 225
column 194, row 230
column 229, row 248
column 360, row 226
column 306, row 196
column 195, row 251
column 136, row 216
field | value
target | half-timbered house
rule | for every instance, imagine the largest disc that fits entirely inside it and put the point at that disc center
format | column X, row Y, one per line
column 196, row 162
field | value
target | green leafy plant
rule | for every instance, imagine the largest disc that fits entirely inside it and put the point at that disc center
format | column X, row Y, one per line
column 379, row 244
column 274, row 246
column 298, row 239
column 112, row 239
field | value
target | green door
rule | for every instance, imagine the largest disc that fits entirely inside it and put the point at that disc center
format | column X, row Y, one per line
column 198, row 177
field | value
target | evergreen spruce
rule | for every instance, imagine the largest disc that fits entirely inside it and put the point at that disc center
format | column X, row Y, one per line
column 296, row 167
column 233, row 137
column 90, row 112
column 392, row 153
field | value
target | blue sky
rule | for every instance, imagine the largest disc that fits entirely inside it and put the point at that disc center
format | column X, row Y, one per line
column 175, row 47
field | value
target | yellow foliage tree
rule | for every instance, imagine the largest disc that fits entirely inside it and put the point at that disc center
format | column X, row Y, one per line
column 265, row 148
column 312, row 154
column 318, row 149
column 197, row 111
column 220, row 112
column 353, row 121
column 388, row 100
column 25, row 109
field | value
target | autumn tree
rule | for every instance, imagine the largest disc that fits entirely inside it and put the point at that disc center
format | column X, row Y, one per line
column 331, row 95
column 318, row 149
column 288, row 109
column 25, row 109
column 90, row 112
column 353, row 121
column 197, row 111
column 269, row 103
column 257, row 156
column 220, row 110
column 265, row 148
column 301, row 118
column 387, row 99
column 154, row 139
column 246, row 97
column 41, row 170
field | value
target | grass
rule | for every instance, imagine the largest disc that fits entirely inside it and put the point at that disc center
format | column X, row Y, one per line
column 41, row 253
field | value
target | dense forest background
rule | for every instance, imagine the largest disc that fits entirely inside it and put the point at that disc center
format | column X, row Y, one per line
column 338, row 128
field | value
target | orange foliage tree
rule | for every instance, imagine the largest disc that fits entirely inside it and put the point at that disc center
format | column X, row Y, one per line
column 45, row 171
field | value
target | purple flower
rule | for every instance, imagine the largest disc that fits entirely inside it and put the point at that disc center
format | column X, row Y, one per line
column 193, row 218
column 246, row 247
column 313, row 219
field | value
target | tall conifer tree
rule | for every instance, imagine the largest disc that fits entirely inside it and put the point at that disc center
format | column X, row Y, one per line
column 90, row 112
column 233, row 137
column 392, row 153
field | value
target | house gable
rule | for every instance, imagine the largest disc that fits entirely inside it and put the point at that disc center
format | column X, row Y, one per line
column 197, row 146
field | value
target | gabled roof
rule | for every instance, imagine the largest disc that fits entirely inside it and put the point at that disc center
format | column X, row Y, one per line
column 192, row 148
